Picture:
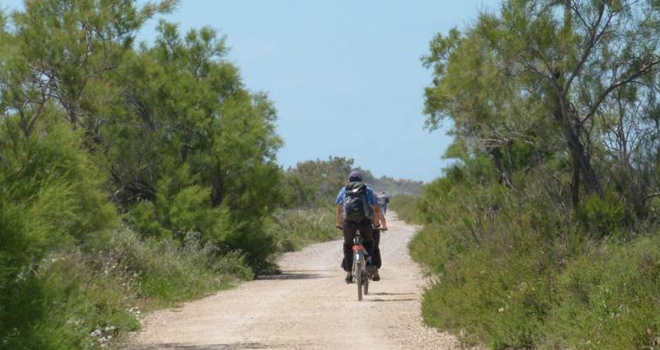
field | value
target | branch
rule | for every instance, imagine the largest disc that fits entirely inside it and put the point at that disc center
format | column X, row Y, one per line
column 535, row 70
column 650, row 196
column 594, row 37
column 579, row 14
column 618, row 84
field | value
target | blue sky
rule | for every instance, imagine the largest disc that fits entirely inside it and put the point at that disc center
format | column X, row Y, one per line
column 345, row 76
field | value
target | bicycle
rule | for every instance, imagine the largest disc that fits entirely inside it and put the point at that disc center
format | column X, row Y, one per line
column 359, row 270
column 360, row 273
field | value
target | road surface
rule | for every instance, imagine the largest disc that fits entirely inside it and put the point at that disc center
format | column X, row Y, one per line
column 307, row 307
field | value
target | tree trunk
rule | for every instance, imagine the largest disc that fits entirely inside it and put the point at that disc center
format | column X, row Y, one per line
column 581, row 165
column 217, row 192
column 503, row 176
column 580, row 159
column 575, row 181
column 73, row 116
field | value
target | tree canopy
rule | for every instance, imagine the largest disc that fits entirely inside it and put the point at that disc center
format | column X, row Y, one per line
column 99, row 136
column 571, row 76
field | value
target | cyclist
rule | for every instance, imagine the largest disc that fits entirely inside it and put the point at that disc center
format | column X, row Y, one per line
column 353, row 215
column 383, row 200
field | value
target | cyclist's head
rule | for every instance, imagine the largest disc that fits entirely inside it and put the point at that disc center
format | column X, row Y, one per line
column 354, row 176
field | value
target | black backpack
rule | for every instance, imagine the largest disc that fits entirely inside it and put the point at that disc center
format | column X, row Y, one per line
column 356, row 205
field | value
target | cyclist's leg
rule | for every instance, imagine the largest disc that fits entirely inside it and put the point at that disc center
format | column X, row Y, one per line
column 349, row 230
column 376, row 257
column 365, row 228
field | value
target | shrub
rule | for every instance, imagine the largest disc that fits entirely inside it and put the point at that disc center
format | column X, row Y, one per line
column 608, row 299
column 494, row 281
column 295, row 228
column 514, row 269
column 406, row 208
column 170, row 271
column 604, row 216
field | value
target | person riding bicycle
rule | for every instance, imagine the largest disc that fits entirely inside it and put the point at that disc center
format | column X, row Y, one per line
column 383, row 199
column 356, row 205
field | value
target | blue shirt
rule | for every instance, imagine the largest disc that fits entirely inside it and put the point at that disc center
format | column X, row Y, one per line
column 371, row 197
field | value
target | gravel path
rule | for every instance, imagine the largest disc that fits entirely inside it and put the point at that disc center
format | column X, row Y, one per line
column 307, row 307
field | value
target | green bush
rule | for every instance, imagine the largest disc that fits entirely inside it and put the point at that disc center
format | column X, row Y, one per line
column 542, row 233
column 80, row 300
column 406, row 208
column 67, row 302
column 169, row 271
column 69, row 275
column 608, row 299
column 295, row 228
column 127, row 175
column 604, row 216
column 498, row 295
column 49, row 202
column 514, row 270
column 493, row 278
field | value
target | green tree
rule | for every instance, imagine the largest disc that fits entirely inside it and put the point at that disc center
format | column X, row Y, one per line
column 541, row 68
column 183, row 118
column 64, row 45
column 316, row 182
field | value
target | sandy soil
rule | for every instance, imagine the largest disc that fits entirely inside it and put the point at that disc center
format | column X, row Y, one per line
column 307, row 307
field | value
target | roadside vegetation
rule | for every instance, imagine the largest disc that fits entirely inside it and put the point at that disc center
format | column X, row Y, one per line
column 544, row 232
column 135, row 176
column 406, row 207
column 308, row 215
column 132, row 176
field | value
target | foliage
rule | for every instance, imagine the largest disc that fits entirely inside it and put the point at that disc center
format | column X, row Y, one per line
column 406, row 208
column 494, row 258
column 165, row 272
column 85, row 301
column 295, row 228
column 609, row 299
column 392, row 186
column 49, row 201
column 542, row 232
column 563, row 76
column 135, row 174
column 316, row 182
column 128, row 174
column 205, row 152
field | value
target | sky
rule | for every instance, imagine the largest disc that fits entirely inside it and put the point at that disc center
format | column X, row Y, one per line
column 345, row 75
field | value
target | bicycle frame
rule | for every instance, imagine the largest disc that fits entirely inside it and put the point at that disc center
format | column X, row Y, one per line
column 360, row 275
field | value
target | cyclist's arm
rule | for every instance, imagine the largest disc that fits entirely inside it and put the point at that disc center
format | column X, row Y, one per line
column 339, row 201
column 379, row 218
column 383, row 223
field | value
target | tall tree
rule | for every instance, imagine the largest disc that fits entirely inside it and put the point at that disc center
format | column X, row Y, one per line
column 561, row 61
column 66, row 44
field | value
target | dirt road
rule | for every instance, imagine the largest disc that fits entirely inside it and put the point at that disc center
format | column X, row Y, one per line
column 307, row 307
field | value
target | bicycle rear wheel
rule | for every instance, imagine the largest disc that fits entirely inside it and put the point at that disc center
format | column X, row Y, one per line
column 357, row 262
